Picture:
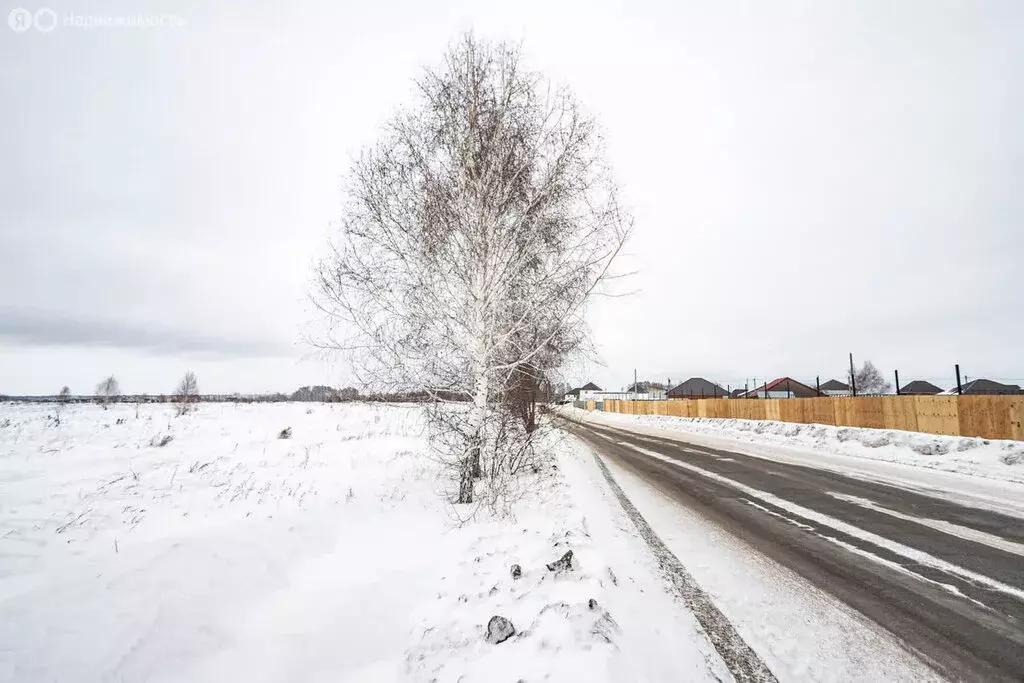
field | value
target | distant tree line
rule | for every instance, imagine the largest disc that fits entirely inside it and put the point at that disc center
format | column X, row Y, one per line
column 186, row 394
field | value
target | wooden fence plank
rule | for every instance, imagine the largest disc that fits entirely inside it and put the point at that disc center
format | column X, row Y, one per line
column 990, row 417
column 823, row 411
column 899, row 413
column 937, row 414
column 1017, row 418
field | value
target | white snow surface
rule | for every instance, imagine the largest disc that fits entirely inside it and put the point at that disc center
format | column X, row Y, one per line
column 231, row 554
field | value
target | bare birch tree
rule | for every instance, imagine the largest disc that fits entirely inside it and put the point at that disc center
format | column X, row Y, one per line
column 187, row 393
column 473, row 235
column 108, row 390
column 869, row 380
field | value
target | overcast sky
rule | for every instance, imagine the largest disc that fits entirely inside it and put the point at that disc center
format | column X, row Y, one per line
column 808, row 179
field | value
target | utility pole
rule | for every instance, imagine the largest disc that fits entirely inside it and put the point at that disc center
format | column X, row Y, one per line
column 959, row 388
column 853, row 378
column 897, row 382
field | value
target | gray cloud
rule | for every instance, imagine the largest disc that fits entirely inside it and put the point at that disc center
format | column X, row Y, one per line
column 46, row 328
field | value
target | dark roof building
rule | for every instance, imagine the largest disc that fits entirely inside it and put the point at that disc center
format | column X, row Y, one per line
column 783, row 387
column 988, row 387
column 589, row 386
column 835, row 385
column 644, row 387
column 697, row 387
column 919, row 387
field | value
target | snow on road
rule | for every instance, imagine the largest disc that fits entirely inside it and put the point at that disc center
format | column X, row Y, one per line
column 974, row 472
column 801, row 512
column 801, row 632
column 231, row 554
column 996, row 459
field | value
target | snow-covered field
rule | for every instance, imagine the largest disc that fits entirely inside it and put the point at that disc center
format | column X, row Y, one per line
column 1003, row 460
column 231, row 554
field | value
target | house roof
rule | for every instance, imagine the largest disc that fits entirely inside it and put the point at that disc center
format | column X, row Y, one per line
column 589, row 386
column 697, row 386
column 835, row 385
column 643, row 387
column 986, row 387
column 798, row 389
column 921, row 387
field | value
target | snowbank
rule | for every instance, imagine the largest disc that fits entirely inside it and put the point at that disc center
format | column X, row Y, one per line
column 1002, row 460
column 228, row 553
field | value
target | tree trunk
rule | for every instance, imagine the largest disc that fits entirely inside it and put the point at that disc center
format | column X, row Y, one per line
column 531, row 413
column 465, row 483
column 476, row 421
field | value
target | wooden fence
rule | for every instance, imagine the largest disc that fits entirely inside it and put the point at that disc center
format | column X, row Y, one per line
column 991, row 417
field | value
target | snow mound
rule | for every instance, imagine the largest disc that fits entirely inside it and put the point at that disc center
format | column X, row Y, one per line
column 557, row 634
column 996, row 459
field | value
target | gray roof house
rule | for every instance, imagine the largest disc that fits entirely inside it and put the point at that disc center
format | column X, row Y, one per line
column 697, row 387
column 834, row 387
column 919, row 387
column 986, row 387
column 589, row 386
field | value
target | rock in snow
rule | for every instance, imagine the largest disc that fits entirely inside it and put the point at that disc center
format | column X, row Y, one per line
column 517, row 571
column 499, row 629
column 562, row 564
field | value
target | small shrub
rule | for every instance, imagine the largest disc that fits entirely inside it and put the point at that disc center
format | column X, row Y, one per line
column 160, row 441
column 285, row 433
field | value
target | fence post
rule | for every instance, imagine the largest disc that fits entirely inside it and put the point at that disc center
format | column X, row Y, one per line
column 817, row 384
column 959, row 389
column 897, row 382
column 853, row 377
column 789, row 394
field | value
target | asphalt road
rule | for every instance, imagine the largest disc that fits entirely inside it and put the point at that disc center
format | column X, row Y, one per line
column 945, row 579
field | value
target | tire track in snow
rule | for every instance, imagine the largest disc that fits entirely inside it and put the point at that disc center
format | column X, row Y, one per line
column 900, row 549
column 947, row 630
column 743, row 663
